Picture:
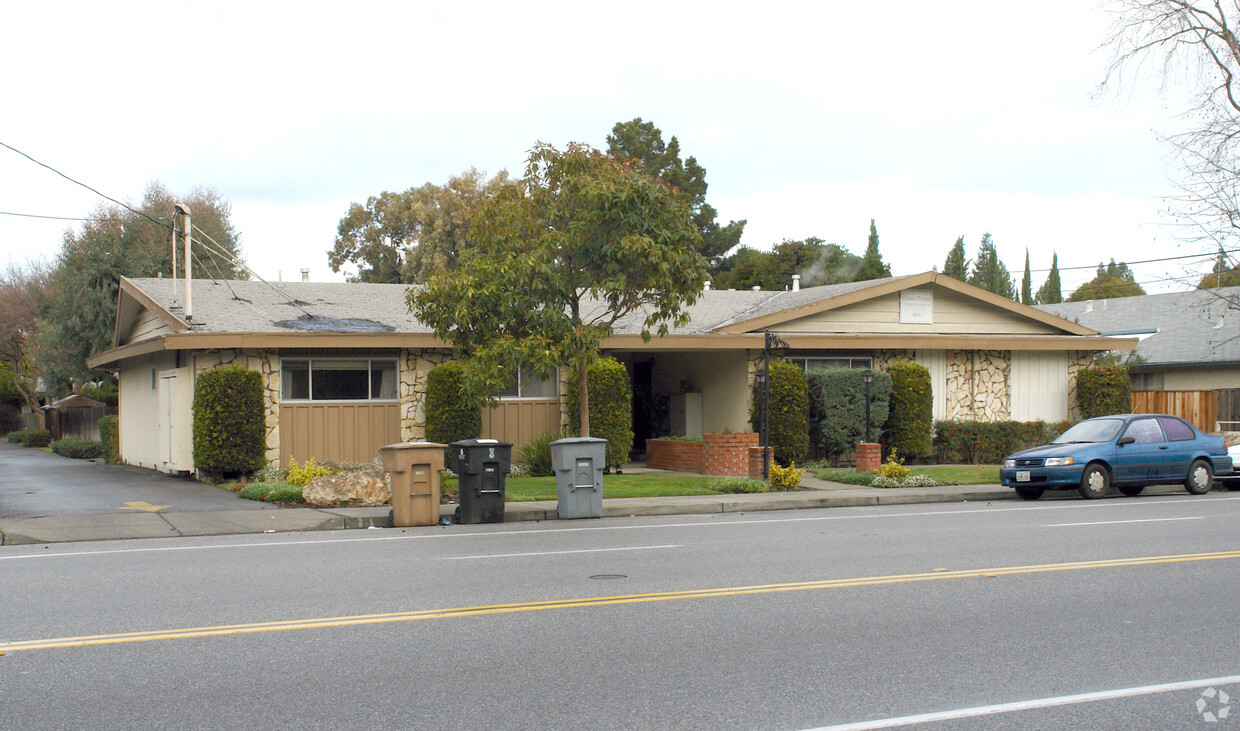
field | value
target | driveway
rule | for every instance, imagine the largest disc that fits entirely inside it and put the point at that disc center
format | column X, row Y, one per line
column 34, row 483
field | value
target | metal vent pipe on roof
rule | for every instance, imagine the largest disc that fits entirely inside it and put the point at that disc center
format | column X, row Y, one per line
column 796, row 282
column 187, row 233
column 305, row 274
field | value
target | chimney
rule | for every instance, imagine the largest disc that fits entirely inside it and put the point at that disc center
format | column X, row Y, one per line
column 305, row 274
column 796, row 282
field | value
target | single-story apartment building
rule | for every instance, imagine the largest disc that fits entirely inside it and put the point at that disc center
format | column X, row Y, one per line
column 344, row 366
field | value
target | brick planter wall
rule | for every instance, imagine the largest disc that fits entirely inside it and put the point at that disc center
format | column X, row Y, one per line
column 728, row 454
column 869, row 457
column 674, row 454
column 755, row 461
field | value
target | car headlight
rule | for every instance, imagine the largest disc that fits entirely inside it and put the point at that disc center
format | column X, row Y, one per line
column 1059, row 461
column 1009, row 463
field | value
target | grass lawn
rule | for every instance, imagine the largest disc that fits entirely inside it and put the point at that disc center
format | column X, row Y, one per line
column 945, row 474
column 524, row 489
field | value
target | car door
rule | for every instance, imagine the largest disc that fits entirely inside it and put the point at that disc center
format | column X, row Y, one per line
column 1181, row 446
column 1141, row 459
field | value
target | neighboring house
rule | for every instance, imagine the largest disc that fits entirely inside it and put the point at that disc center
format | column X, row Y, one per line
column 344, row 365
column 1189, row 341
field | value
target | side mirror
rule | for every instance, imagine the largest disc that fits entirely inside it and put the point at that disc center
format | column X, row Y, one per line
column 1125, row 440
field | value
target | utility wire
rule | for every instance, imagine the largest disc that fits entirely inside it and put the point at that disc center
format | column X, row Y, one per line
column 236, row 261
column 60, row 218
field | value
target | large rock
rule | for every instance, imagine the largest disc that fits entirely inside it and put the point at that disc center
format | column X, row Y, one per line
column 363, row 488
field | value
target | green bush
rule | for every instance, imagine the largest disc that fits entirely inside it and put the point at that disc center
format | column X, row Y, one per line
column 78, row 448
column 536, row 454
column 736, row 485
column 272, row 492
column 785, row 478
column 450, row 414
column 105, row 393
column 910, row 415
column 837, row 408
column 110, row 435
column 980, row 442
column 31, row 437
column 846, row 475
column 228, row 431
column 1103, row 390
column 611, row 408
column 789, row 412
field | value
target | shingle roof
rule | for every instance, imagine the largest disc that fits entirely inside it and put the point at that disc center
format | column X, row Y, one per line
column 1199, row 326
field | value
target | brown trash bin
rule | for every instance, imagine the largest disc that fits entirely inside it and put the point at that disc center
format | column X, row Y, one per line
column 415, row 468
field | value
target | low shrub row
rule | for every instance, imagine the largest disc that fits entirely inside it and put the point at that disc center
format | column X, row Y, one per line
column 30, row 437
column 977, row 442
column 78, row 448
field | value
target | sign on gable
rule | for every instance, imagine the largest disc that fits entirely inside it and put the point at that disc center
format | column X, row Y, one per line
column 917, row 306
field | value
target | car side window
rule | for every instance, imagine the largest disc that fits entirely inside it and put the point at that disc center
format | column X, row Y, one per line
column 1177, row 431
column 1145, row 431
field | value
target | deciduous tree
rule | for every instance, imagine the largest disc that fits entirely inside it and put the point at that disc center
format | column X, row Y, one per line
column 1112, row 280
column 581, row 241
column 23, row 293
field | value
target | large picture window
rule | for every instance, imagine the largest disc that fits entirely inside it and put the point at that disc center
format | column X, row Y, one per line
column 528, row 385
column 817, row 363
column 338, row 379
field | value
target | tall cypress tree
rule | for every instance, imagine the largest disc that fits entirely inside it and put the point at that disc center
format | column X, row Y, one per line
column 957, row 266
column 872, row 266
column 1026, row 284
column 989, row 273
column 1049, row 293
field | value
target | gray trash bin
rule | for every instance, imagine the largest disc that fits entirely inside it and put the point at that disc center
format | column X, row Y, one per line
column 578, row 463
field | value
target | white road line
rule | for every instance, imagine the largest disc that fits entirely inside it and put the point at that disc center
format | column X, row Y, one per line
column 1065, row 700
column 276, row 543
column 558, row 553
column 1117, row 522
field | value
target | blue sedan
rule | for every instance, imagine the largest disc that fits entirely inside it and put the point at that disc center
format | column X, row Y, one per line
column 1130, row 451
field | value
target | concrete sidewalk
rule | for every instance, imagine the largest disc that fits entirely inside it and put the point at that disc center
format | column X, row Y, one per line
column 165, row 524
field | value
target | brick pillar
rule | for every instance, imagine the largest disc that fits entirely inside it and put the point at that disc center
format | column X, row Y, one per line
column 755, row 462
column 869, row 457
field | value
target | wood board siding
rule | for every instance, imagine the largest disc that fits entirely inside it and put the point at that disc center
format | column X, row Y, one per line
column 147, row 326
column 349, row 432
column 935, row 361
column 1039, row 386
column 952, row 313
column 1199, row 408
column 519, row 422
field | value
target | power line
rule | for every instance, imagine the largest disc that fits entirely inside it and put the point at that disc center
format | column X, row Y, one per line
column 59, row 218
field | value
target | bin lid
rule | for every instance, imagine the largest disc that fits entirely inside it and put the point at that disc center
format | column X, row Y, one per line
column 481, row 443
column 579, row 440
column 415, row 445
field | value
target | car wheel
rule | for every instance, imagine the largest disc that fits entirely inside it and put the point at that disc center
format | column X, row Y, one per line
column 1200, row 478
column 1094, row 482
column 1132, row 490
column 1029, row 493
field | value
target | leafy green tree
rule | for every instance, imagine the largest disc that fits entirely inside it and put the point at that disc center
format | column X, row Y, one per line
column 989, row 273
column 402, row 237
column 1026, row 284
column 872, row 266
column 1111, row 281
column 817, row 262
column 643, row 141
column 1221, row 275
column 957, row 264
column 581, row 241
column 23, row 293
column 80, row 313
column 1049, row 293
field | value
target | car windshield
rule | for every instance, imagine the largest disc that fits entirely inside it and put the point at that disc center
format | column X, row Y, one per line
column 1094, row 430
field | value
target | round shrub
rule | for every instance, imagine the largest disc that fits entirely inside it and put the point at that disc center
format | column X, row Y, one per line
column 1103, row 390
column 910, row 416
column 229, row 433
column 789, row 414
column 30, row 437
column 110, row 435
column 450, row 414
column 78, row 448
column 611, row 408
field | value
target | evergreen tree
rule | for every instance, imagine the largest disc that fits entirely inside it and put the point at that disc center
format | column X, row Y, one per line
column 989, row 273
column 872, row 266
column 1026, row 284
column 957, row 266
column 1049, row 293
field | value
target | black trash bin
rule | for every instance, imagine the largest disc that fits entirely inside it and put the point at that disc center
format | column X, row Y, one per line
column 480, row 466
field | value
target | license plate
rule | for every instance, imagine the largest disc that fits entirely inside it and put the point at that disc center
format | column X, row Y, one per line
column 1022, row 476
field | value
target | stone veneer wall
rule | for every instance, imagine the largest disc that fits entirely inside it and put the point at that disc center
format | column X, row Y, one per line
column 267, row 363
column 978, row 385
column 414, row 366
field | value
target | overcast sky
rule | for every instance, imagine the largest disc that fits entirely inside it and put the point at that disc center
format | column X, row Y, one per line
column 811, row 118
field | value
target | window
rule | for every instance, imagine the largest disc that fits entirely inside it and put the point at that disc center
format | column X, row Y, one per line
column 1177, row 431
column 1145, row 431
column 338, row 379
column 529, row 386
column 823, row 363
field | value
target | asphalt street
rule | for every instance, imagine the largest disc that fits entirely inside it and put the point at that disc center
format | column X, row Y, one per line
column 1065, row 614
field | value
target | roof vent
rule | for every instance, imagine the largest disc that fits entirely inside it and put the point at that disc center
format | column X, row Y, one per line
column 756, row 288
column 707, row 288
column 796, row 282
column 305, row 274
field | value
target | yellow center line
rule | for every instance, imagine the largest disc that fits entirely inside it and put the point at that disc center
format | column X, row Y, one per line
column 364, row 619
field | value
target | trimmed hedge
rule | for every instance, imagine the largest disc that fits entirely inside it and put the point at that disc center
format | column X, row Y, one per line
column 837, row 409
column 78, row 448
column 1103, row 390
column 611, row 407
column 910, row 418
column 229, row 431
column 789, row 414
column 450, row 414
column 30, row 437
column 979, row 442
column 110, row 435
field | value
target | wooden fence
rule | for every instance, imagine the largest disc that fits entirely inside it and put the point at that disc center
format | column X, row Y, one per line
column 1229, row 409
column 1199, row 408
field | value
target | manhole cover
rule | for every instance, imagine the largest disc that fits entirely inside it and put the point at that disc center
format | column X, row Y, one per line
column 609, row 576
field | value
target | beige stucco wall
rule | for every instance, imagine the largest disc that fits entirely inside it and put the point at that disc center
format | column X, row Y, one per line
column 155, row 433
column 1201, row 379
column 720, row 376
